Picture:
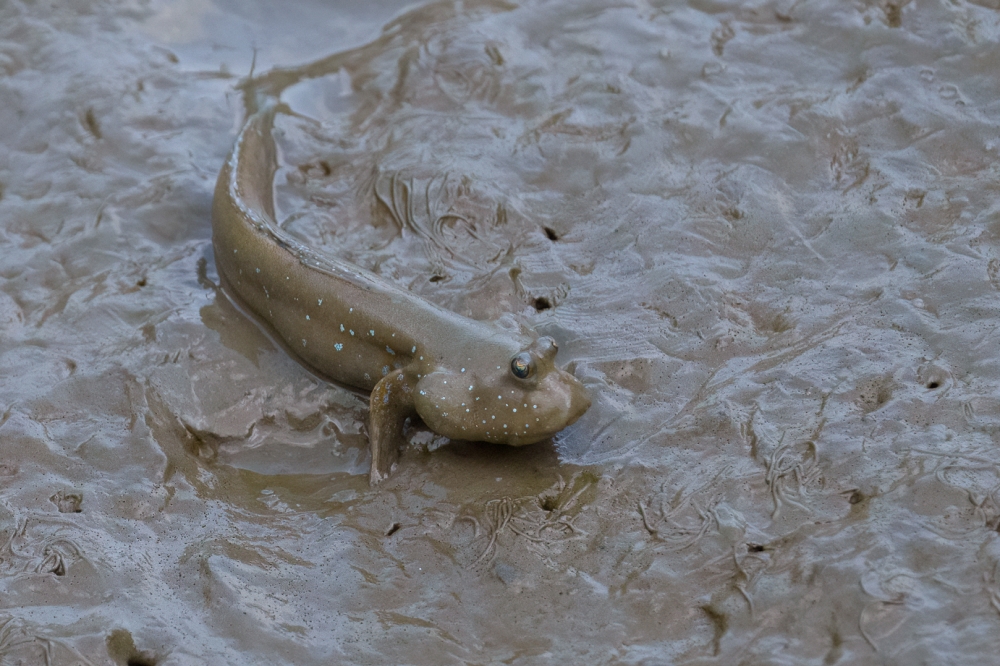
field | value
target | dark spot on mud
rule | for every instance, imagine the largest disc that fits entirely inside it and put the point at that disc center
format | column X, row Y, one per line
column 856, row 497
column 542, row 303
column 68, row 502
column 836, row 648
column 874, row 393
column 755, row 548
column 203, row 275
column 437, row 278
column 551, row 234
column 141, row 282
column 894, row 13
column 392, row 530
column 1, row 191
column 91, row 124
column 494, row 53
column 932, row 385
column 122, row 649
column 732, row 214
column 721, row 623
column 549, row 502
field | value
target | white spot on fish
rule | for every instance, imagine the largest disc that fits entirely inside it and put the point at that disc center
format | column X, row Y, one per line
column 423, row 393
column 234, row 251
column 352, row 331
column 414, row 350
column 338, row 346
column 258, row 270
column 385, row 370
column 351, row 310
column 463, row 369
column 515, row 410
column 534, row 406
column 320, row 301
column 341, row 328
column 390, row 350
column 307, row 317
column 371, row 332
column 303, row 342
column 493, row 417
column 470, row 387
column 499, row 397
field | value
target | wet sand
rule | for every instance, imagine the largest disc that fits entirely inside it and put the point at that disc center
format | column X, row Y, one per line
column 765, row 237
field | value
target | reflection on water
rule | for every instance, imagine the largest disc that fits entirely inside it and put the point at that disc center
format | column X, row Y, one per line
column 764, row 235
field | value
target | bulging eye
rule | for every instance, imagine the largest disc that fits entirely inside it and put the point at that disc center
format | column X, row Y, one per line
column 522, row 366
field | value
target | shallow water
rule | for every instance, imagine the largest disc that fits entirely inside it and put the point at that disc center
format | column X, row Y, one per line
column 765, row 236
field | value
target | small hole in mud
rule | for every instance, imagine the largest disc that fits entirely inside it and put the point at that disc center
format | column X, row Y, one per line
column 542, row 303
column 856, row 497
column 437, row 278
column 392, row 530
column 550, row 503
column 933, row 385
column 551, row 234
column 755, row 548
column 141, row 282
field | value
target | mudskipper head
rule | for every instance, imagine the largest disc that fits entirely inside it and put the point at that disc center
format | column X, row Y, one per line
column 510, row 393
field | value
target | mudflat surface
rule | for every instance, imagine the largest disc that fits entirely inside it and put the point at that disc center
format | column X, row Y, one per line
column 765, row 236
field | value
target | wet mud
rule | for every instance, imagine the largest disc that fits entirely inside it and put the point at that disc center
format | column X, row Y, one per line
column 764, row 235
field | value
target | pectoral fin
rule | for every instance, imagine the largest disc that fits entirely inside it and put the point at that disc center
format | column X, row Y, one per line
column 391, row 404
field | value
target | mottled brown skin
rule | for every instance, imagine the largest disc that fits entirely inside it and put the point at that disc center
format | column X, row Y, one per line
column 355, row 328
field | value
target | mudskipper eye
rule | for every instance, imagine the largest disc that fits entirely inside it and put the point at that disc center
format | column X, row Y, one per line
column 522, row 366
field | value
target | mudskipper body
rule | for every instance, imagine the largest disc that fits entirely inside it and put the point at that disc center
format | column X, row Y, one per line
column 467, row 379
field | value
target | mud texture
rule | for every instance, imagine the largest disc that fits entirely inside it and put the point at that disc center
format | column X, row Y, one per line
column 765, row 236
